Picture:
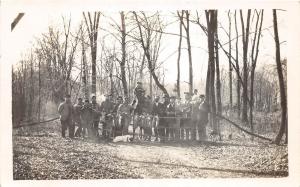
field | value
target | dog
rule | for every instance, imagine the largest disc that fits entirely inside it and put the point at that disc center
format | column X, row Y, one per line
column 125, row 138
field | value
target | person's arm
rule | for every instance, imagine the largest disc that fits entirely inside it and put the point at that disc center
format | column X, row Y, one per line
column 60, row 108
column 119, row 110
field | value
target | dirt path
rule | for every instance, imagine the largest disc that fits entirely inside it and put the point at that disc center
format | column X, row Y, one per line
column 57, row 158
column 194, row 160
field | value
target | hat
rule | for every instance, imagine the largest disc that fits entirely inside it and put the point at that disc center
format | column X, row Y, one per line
column 187, row 93
column 202, row 96
column 68, row 96
column 138, row 82
column 86, row 100
column 79, row 98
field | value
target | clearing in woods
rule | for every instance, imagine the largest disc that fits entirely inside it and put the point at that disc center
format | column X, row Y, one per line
column 43, row 154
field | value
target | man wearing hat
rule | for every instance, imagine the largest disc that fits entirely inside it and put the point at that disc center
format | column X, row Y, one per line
column 65, row 110
column 195, row 96
column 203, row 118
column 87, row 118
column 171, row 121
column 77, row 112
column 185, row 122
column 123, row 114
column 96, row 116
column 107, row 107
column 139, row 92
column 156, row 113
column 163, row 129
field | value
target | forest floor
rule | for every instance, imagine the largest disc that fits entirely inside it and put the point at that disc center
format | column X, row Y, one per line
column 40, row 153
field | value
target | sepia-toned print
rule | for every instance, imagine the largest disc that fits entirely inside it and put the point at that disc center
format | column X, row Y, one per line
column 150, row 94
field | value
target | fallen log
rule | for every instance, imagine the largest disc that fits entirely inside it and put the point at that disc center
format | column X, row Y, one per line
column 35, row 123
column 242, row 129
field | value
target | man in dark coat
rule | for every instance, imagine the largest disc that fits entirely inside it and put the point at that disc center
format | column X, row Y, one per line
column 156, row 113
column 77, row 112
column 171, row 113
column 116, row 129
column 107, row 107
column 87, row 118
column 185, row 122
column 96, row 116
column 163, row 129
column 203, row 118
column 65, row 110
column 139, row 93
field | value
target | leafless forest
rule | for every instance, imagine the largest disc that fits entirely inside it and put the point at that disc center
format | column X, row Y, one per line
column 103, row 53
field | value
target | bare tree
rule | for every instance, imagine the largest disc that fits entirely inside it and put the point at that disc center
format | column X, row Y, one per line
column 229, row 58
column 92, row 25
column 186, row 27
column 245, row 36
column 218, row 82
column 180, row 16
column 123, row 61
column 211, row 19
column 238, row 87
column 254, row 55
column 283, row 98
column 150, row 42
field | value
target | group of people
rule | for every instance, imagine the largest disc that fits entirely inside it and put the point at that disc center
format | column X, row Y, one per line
column 164, row 118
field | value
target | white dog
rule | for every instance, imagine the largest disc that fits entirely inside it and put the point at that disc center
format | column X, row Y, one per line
column 125, row 138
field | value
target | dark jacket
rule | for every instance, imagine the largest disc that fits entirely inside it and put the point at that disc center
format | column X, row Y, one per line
column 203, row 112
column 65, row 111
column 157, row 109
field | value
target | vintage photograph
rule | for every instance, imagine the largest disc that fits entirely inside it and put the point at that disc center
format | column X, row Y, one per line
column 189, row 94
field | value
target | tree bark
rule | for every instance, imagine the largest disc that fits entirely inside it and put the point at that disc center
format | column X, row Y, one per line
column 146, row 46
column 245, row 34
column 211, row 28
column 92, row 28
column 229, row 58
column 254, row 55
column 218, row 81
column 283, row 98
column 123, row 61
column 238, row 83
column 179, row 53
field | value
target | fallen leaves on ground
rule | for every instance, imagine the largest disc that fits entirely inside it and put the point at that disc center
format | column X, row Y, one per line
column 45, row 155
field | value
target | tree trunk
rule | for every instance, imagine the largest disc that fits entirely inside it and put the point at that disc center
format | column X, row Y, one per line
column 245, row 34
column 238, row 86
column 92, row 28
column 146, row 49
column 187, row 29
column 254, row 56
column 179, row 53
column 218, row 82
column 122, row 64
column 211, row 28
column 229, row 58
column 283, row 99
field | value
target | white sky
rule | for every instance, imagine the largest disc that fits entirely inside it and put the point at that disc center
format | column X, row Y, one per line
column 37, row 21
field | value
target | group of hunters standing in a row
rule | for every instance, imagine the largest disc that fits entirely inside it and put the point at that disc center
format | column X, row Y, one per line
column 165, row 118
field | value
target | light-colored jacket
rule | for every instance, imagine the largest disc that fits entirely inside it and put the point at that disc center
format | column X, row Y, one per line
column 65, row 111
